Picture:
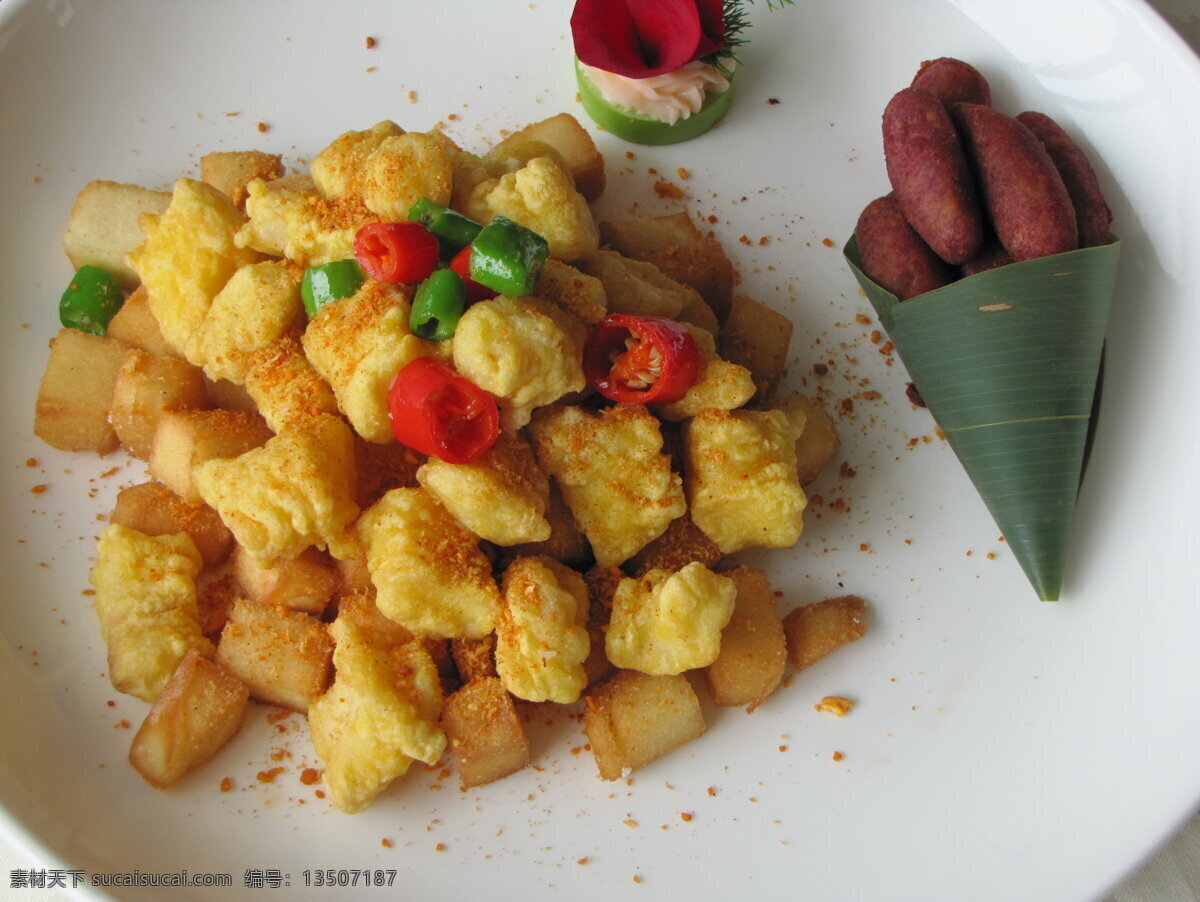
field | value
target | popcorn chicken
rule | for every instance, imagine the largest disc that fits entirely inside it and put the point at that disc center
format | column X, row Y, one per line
column 379, row 716
column 525, row 351
column 295, row 491
column 572, row 290
column 613, row 475
column 402, row 170
column 358, row 344
column 542, row 197
column 289, row 218
column 740, row 475
column 719, row 385
column 188, row 256
column 636, row 287
column 338, row 169
column 257, row 306
column 428, row 571
column 286, row 387
column 146, row 603
column 665, row 623
column 501, row 496
column 541, row 636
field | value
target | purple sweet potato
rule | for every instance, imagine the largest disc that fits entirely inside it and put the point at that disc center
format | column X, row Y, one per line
column 1023, row 194
column 953, row 81
column 1092, row 214
column 993, row 256
column 930, row 176
column 894, row 255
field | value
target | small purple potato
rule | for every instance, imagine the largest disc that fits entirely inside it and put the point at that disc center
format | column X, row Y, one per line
column 929, row 175
column 894, row 255
column 953, row 81
column 1023, row 193
column 992, row 256
column 1091, row 212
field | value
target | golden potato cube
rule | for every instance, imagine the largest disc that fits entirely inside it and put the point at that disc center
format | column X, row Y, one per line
column 76, row 392
column 572, row 141
column 185, row 439
column 758, row 338
column 135, row 323
column 230, row 171
column 814, row 630
column 147, row 386
column 105, row 226
column 635, row 286
column 304, row 583
column 753, row 651
column 199, row 711
column 358, row 606
column 644, row 236
column 818, row 440
column 682, row 543
column 153, row 509
column 634, row 719
column 474, row 659
column 226, row 395
column 216, row 591
column 484, row 732
column 602, row 585
column 285, row 657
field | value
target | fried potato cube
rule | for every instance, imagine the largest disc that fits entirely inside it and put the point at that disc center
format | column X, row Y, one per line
column 542, row 197
column 613, row 474
column 572, row 290
column 814, row 630
column 474, row 659
column 184, row 439
column 818, row 439
column 295, row 491
column 402, row 170
column 665, row 623
column 634, row 719
column 541, row 634
column 188, row 256
column 525, row 351
column 719, row 385
column 358, row 344
column 283, row 656
column 76, row 392
column 380, row 714
column 230, row 171
column 104, row 226
column 285, row 387
column 135, row 323
column 257, row 306
column 602, row 585
column 338, row 169
column 288, row 217
column 501, row 496
column 428, row 571
column 642, row 237
column 636, row 287
column 153, row 509
column 358, row 605
column 740, row 476
column 757, row 337
column 683, row 543
column 199, row 711
column 216, row 591
column 485, row 732
column 572, row 141
column 146, row 603
column 148, row 386
column 753, row 650
column 305, row 583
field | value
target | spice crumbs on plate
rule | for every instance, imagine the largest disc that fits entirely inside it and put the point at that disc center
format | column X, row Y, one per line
column 386, row 843
column 263, row 127
column 226, row 784
column 370, row 42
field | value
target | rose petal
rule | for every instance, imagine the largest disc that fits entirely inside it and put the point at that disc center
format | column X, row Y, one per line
column 642, row 38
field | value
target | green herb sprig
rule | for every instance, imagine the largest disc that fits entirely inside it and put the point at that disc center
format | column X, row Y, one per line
column 736, row 23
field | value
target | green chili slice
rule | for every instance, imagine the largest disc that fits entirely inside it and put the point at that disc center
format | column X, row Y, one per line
column 507, row 257
column 439, row 302
column 329, row 282
column 90, row 301
column 453, row 230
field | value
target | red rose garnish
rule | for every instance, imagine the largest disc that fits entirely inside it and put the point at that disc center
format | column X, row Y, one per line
column 642, row 38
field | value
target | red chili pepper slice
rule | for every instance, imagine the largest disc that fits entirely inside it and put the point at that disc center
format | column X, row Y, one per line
column 435, row 411
column 461, row 264
column 396, row 251
column 641, row 359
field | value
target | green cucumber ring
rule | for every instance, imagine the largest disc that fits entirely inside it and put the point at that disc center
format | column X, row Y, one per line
column 642, row 129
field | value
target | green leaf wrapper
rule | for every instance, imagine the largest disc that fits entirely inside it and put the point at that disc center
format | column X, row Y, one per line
column 1008, row 362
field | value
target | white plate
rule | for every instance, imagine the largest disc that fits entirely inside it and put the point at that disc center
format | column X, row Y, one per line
column 1000, row 748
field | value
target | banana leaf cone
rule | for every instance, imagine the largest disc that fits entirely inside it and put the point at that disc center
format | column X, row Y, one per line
column 1008, row 361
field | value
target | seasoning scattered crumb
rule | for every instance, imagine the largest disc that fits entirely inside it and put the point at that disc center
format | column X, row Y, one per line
column 835, row 704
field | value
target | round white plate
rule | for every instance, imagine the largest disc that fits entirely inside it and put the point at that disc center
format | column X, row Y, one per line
column 1000, row 748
